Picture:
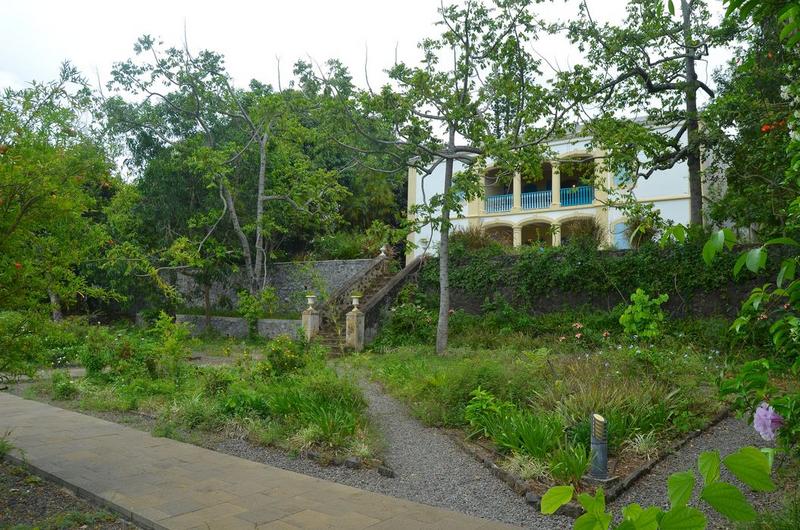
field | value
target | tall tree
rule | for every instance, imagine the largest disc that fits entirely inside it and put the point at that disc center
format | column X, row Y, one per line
column 54, row 178
column 644, row 87
column 245, row 145
column 477, row 97
column 747, row 126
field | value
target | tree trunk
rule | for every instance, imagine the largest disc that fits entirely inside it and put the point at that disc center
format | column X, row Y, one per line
column 259, row 246
column 692, row 126
column 237, row 227
column 55, row 307
column 444, row 251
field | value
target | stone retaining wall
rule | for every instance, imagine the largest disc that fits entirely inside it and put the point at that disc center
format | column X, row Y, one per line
column 237, row 327
column 291, row 280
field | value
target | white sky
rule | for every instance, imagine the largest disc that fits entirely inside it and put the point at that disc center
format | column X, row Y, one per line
column 36, row 35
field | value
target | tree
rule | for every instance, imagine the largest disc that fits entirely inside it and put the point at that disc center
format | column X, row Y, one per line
column 647, row 67
column 478, row 87
column 246, row 146
column 747, row 126
column 54, row 177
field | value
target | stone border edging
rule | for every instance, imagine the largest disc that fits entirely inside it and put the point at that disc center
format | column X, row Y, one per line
column 573, row 509
column 127, row 515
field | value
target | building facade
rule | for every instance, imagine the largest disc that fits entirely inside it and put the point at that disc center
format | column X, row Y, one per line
column 550, row 211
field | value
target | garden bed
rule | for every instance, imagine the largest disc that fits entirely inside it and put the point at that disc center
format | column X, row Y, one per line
column 520, row 402
column 622, row 478
column 278, row 393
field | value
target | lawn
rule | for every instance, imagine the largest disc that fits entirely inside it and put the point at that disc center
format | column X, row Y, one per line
column 525, row 387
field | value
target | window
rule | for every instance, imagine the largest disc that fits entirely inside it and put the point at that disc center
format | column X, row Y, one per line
column 621, row 240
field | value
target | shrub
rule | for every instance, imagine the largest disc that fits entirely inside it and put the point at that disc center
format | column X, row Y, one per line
column 285, row 355
column 253, row 307
column 19, row 343
column 408, row 323
column 98, row 352
column 644, row 316
column 171, row 348
column 62, row 385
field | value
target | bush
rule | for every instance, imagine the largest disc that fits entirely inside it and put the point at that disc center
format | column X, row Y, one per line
column 98, row 352
column 20, row 345
column 644, row 317
column 252, row 307
column 408, row 323
column 285, row 355
column 62, row 385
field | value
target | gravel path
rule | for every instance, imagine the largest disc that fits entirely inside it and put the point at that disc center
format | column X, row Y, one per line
column 428, row 466
column 727, row 437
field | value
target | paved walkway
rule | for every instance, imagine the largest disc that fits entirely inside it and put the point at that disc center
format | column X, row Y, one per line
column 161, row 483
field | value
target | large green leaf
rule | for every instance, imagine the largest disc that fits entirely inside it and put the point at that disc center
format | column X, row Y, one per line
column 680, row 486
column 591, row 521
column 708, row 463
column 683, row 518
column 555, row 498
column 729, row 501
column 787, row 271
column 756, row 259
column 751, row 466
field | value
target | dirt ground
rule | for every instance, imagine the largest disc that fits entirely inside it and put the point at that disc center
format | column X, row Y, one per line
column 28, row 502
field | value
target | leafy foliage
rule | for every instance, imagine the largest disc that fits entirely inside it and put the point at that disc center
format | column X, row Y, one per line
column 749, row 465
column 644, row 317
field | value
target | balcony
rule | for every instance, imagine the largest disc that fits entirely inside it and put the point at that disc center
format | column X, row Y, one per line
column 499, row 203
column 534, row 200
column 577, row 196
column 540, row 200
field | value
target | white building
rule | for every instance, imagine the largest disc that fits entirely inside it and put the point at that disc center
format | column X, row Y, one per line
column 542, row 213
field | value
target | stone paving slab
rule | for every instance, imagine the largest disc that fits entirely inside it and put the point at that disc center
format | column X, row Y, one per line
column 160, row 483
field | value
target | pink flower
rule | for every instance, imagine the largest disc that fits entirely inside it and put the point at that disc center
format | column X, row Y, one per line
column 577, row 325
column 578, row 335
column 606, row 334
column 562, row 338
column 767, row 422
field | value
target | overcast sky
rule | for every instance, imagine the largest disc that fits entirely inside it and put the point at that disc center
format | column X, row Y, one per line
column 36, row 35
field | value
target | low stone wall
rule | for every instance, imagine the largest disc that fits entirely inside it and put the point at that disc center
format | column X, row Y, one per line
column 237, row 327
column 291, row 280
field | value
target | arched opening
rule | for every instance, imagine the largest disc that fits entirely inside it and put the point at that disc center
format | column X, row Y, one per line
column 499, row 190
column 621, row 237
column 577, row 180
column 538, row 234
column 501, row 234
column 582, row 229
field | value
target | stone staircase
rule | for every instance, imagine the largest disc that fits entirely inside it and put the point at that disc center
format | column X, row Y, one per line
column 335, row 309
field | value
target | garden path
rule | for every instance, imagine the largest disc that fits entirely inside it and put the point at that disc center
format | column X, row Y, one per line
column 163, row 483
column 728, row 436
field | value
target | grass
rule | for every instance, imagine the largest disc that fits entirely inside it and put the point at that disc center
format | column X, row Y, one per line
column 530, row 385
column 279, row 392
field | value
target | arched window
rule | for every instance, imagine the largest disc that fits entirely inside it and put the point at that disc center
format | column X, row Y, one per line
column 621, row 240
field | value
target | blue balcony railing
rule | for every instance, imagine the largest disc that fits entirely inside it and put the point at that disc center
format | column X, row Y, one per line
column 533, row 200
column 499, row 203
column 577, row 196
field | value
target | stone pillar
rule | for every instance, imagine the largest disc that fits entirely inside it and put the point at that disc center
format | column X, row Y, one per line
column 311, row 323
column 556, row 185
column 354, row 330
column 517, row 236
column 517, row 191
column 556, row 235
